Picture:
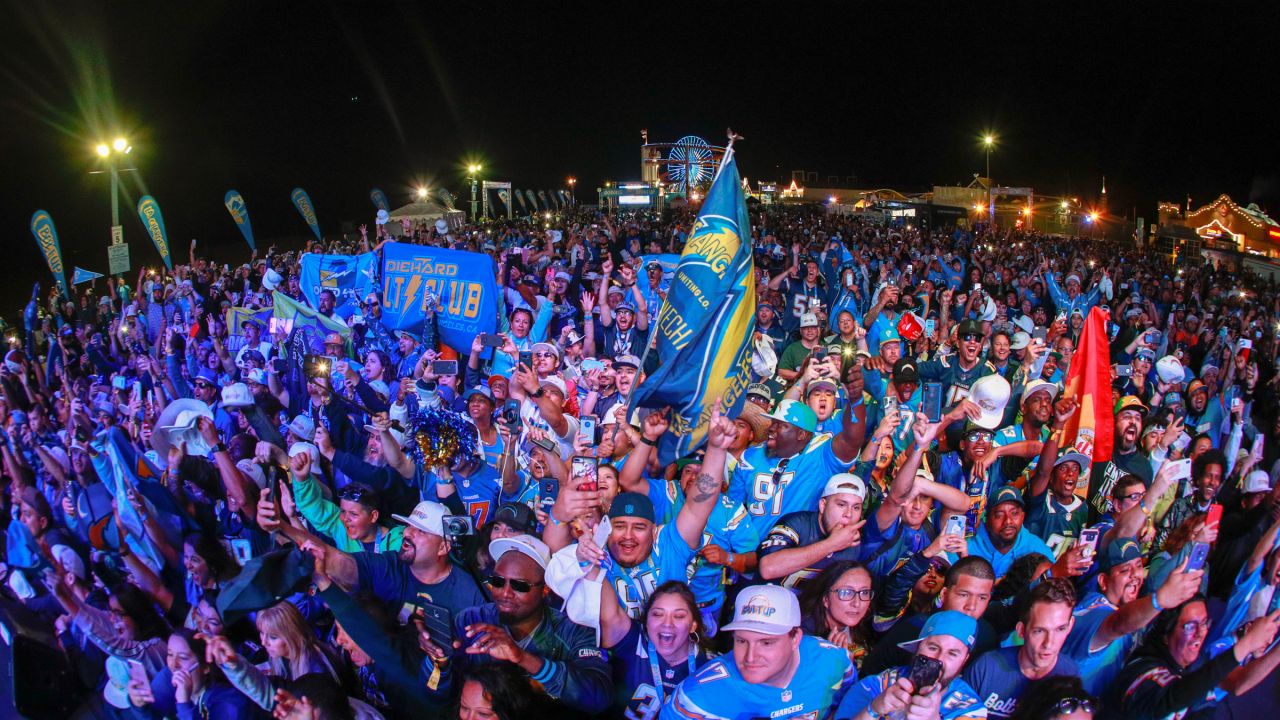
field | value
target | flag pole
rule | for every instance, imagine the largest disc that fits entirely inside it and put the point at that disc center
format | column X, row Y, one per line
column 653, row 338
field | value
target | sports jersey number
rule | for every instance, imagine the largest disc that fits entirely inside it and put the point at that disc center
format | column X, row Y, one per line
column 799, row 305
column 956, row 393
column 479, row 512
column 632, row 598
column 715, row 671
column 644, row 703
column 800, row 576
column 768, row 496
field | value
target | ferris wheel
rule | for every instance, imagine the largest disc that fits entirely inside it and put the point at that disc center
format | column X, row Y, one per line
column 690, row 162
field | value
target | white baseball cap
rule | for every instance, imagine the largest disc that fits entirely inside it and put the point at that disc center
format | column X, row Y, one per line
column 1170, row 370
column 253, row 471
column 845, row 483
column 991, row 394
column 523, row 544
column 427, row 516
column 808, row 320
column 766, row 609
column 1036, row 386
column 1257, row 481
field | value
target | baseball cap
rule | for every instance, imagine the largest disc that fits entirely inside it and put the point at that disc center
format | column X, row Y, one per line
column 479, row 390
column 888, row 336
column 333, row 339
column 1130, row 402
column 1145, row 353
column 557, row 383
column 1169, row 369
column 991, row 394
column 905, row 371
column 821, row 384
column 1195, row 386
column 1257, row 481
column 630, row 504
column 845, row 483
column 808, row 320
column 527, row 545
column 427, row 516
column 625, row 306
column 795, row 413
column 766, row 609
column 1036, row 386
column 546, row 347
column 761, row 391
column 946, row 622
column 1019, row 341
column 304, row 427
column 1173, row 398
column 627, row 361
column 517, row 516
column 969, row 327
column 1119, row 550
column 1007, row 494
column 1067, row 455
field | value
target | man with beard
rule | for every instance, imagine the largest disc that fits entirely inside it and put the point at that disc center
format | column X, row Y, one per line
column 420, row 572
column 1003, row 676
column 626, row 325
column 518, row 627
column 1002, row 538
column 805, row 542
column 796, row 353
column 1204, row 413
column 959, row 374
column 774, row 671
column 1127, row 457
column 800, row 296
column 947, row 637
column 767, row 324
column 1107, row 620
column 789, row 471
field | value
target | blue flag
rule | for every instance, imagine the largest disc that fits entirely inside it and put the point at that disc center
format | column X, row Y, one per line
column 47, row 238
column 668, row 261
column 707, row 321
column 239, row 215
column 349, row 277
column 379, row 199
column 302, row 201
column 460, row 284
column 153, row 221
column 80, row 275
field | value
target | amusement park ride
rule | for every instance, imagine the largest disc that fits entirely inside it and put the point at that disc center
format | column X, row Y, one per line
column 680, row 167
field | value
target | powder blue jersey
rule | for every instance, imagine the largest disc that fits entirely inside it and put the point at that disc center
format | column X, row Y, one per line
column 717, row 691
column 959, row 702
column 1097, row 669
column 773, row 487
column 668, row 560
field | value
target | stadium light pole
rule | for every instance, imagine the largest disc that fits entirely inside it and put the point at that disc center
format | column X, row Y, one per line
column 573, row 196
column 988, row 141
column 472, row 171
column 112, row 154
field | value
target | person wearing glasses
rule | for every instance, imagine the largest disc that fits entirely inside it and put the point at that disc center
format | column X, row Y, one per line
column 1175, row 669
column 948, row 637
column 520, row 628
column 1058, row 698
column 836, row 606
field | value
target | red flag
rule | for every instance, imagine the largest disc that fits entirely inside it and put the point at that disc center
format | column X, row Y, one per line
column 1091, row 429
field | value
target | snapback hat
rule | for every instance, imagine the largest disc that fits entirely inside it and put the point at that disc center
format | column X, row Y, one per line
column 845, row 483
column 766, row 609
column 946, row 622
column 427, row 516
column 795, row 413
column 526, row 545
column 1119, row 551
column 630, row 504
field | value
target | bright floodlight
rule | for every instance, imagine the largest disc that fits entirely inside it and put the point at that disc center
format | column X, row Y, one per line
column 120, row 144
column 1093, row 217
column 103, row 150
column 422, row 192
column 473, row 169
column 988, row 140
column 1064, row 204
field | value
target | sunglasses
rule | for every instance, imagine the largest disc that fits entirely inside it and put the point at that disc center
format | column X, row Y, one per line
column 353, row 494
column 847, row 594
column 978, row 436
column 971, row 337
column 497, row 582
column 543, row 354
column 205, row 385
column 1066, row 706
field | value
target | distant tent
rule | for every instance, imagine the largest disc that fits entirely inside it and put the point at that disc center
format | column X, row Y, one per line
column 424, row 212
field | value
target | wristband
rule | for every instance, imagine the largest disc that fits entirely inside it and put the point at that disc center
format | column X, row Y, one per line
column 554, row 519
column 538, row 393
column 647, row 441
column 730, row 563
column 1155, row 603
column 220, row 447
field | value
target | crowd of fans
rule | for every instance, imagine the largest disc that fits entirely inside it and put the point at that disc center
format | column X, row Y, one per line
column 220, row 519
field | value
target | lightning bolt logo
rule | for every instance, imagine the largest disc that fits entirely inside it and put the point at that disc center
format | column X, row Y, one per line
column 415, row 282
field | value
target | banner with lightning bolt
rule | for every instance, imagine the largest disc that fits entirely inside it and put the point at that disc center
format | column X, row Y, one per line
column 707, row 320
column 302, row 201
column 457, row 286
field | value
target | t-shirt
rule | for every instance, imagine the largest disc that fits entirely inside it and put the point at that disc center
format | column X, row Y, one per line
column 1103, row 477
column 717, row 690
column 392, row 581
column 772, row 487
column 800, row 529
column 531, row 417
column 999, row 682
column 667, row 561
column 959, row 701
column 639, row 696
column 1097, row 669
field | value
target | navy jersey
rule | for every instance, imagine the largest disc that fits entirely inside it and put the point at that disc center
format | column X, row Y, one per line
column 800, row 298
column 773, row 487
column 959, row 702
column 955, row 380
column 717, row 691
column 1056, row 524
column 1097, row 669
column 999, row 682
column 799, row 529
column 643, row 678
column 392, row 582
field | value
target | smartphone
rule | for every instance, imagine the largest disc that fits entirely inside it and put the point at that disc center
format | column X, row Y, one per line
column 315, row 366
column 278, row 365
column 585, row 473
column 587, row 428
column 548, row 491
column 1214, row 515
column 1183, row 441
column 138, row 673
column 1089, row 539
column 511, row 414
column 820, row 353
column 925, row 671
column 1182, row 469
column 437, row 621
column 526, row 358
column 1124, row 371
column 932, row 403
column 890, row 404
column 444, row 367
column 1040, row 333
column 955, row 525
column 1199, row 554
column 491, row 340
column 546, row 444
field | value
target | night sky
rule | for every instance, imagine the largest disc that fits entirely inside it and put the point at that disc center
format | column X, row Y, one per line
column 339, row 97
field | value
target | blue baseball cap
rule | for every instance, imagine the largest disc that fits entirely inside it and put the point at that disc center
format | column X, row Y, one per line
column 1118, row 552
column 946, row 622
column 795, row 413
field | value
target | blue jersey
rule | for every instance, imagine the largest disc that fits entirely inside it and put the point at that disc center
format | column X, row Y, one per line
column 479, row 492
column 773, row 487
column 999, row 682
column 800, row 298
column 643, row 678
column 717, row 691
column 1097, row 669
column 669, row 560
column 959, row 701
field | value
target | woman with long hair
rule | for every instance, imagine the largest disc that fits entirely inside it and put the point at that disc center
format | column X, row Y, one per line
column 652, row 656
column 835, row 606
column 292, row 651
column 196, row 688
column 130, row 630
column 499, row 691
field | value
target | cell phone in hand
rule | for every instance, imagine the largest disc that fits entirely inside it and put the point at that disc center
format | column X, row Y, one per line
column 444, row 367
column 526, row 358
column 1214, row 515
column 548, row 491
column 925, row 672
column 587, row 428
column 932, row 402
column 955, row 525
column 1040, row 333
column 1199, row 554
column 491, row 340
column 1089, row 540
column 1182, row 470
column 138, row 673
column 585, row 473
column 545, row 443
column 1124, row 371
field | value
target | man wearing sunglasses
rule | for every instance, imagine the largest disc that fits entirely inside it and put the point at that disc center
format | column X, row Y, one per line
column 957, row 374
column 518, row 627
